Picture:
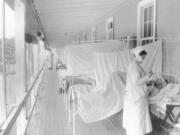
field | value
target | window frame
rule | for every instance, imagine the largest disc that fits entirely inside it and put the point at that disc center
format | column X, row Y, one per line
column 140, row 21
column 110, row 30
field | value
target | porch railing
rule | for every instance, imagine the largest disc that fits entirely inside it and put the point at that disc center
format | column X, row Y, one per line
column 7, row 127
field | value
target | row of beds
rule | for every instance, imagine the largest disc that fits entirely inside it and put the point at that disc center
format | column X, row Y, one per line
column 164, row 118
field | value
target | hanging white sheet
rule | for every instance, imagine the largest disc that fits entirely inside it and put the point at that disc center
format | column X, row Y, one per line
column 108, row 62
column 109, row 67
column 80, row 58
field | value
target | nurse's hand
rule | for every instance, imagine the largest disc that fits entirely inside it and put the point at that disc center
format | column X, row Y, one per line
column 153, row 77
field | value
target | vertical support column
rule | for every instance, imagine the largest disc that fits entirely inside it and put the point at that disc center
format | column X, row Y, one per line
column 20, row 61
column 138, row 24
column 3, row 114
column 154, row 21
column 39, row 55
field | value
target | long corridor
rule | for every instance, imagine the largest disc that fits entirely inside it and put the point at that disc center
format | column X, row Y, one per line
column 50, row 117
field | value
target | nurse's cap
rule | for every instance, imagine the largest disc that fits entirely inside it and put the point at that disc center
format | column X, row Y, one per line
column 139, row 49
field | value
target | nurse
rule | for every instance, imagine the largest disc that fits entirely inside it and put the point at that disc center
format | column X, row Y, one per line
column 136, row 118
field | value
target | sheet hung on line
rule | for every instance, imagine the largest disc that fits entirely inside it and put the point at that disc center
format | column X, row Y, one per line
column 80, row 58
column 106, row 98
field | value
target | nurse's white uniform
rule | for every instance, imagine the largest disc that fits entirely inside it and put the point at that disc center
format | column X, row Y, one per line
column 136, row 118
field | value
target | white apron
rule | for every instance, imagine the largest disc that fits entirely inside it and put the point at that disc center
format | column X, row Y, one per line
column 136, row 118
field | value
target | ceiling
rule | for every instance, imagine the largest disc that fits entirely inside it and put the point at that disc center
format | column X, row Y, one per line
column 62, row 19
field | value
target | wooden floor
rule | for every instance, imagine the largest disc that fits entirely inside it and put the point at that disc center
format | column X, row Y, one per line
column 51, row 116
column 110, row 126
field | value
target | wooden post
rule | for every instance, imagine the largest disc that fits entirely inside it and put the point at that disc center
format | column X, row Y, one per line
column 3, row 113
column 20, row 61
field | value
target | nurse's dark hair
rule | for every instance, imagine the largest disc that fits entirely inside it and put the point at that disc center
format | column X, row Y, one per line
column 142, row 53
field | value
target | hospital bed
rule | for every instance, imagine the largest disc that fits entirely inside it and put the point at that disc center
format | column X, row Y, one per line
column 71, row 95
column 72, row 81
column 78, row 85
column 165, row 103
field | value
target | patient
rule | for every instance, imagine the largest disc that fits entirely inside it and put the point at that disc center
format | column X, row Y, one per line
column 154, row 86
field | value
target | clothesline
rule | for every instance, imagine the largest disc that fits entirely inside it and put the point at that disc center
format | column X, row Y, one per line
column 125, row 38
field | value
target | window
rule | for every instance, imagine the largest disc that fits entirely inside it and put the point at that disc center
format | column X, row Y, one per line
column 109, row 29
column 146, row 21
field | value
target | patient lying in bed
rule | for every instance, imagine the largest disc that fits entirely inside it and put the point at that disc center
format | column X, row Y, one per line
column 160, row 88
column 155, row 86
column 162, row 94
